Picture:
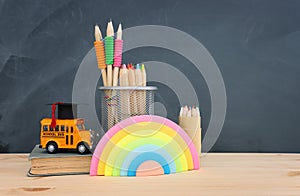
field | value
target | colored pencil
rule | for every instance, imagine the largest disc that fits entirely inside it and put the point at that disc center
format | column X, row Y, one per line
column 185, row 110
column 189, row 112
column 124, row 94
column 132, row 82
column 118, row 45
column 99, row 49
column 143, row 93
column 144, row 75
column 190, row 122
column 139, row 82
column 109, row 59
column 181, row 112
column 194, row 112
column 117, row 55
column 109, row 51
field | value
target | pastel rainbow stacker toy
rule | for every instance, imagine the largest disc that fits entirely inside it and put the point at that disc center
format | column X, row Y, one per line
column 143, row 146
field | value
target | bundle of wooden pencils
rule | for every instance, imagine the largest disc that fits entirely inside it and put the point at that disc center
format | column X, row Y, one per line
column 135, row 76
column 109, row 53
column 109, row 57
column 190, row 122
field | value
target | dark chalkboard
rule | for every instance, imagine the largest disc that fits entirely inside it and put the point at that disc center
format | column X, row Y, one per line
column 255, row 43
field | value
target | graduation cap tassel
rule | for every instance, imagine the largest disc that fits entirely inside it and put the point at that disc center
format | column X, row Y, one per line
column 53, row 121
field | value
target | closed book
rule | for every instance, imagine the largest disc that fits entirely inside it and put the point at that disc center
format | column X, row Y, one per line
column 62, row 163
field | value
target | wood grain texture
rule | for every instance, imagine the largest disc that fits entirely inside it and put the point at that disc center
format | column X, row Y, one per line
column 220, row 174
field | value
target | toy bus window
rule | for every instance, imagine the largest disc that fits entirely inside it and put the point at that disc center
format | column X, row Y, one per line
column 51, row 128
column 45, row 127
column 56, row 128
column 67, row 139
column 71, row 129
column 67, row 129
column 62, row 128
column 71, row 140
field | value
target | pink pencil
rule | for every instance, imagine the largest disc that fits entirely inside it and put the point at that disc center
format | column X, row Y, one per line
column 117, row 55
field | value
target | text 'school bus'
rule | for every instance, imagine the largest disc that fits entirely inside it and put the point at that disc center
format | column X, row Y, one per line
column 68, row 134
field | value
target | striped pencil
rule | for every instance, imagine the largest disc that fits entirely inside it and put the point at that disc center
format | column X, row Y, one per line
column 117, row 55
column 109, row 59
column 118, row 46
column 109, row 51
column 99, row 49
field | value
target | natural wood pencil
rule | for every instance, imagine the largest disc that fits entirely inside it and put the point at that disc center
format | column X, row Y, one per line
column 139, row 95
column 132, row 82
column 124, row 94
column 144, row 93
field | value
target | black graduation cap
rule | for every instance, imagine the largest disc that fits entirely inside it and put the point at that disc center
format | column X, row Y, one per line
column 65, row 111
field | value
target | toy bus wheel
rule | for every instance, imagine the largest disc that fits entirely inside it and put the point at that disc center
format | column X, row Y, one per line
column 51, row 148
column 81, row 148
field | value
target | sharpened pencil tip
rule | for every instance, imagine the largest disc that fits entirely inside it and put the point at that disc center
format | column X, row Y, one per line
column 119, row 32
column 129, row 66
column 98, row 35
column 109, row 29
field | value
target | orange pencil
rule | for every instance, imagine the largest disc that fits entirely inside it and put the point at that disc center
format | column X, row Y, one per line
column 99, row 49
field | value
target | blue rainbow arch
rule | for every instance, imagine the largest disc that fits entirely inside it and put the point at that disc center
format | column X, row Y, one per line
column 145, row 157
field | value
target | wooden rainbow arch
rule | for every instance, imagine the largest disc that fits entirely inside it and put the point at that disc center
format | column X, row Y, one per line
column 144, row 145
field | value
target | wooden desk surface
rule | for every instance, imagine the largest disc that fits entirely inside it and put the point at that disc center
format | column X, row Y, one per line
column 220, row 174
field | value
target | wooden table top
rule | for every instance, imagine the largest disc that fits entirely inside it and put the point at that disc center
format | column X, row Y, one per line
column 220, row 174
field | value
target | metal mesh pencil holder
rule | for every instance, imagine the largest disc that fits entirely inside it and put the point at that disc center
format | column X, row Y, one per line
column 119, row 103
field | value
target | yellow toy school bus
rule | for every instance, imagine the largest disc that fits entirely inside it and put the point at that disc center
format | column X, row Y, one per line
column 67, row 134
